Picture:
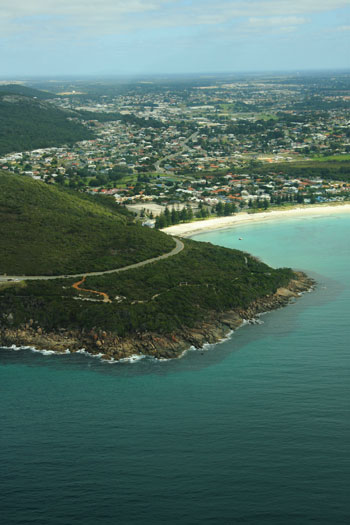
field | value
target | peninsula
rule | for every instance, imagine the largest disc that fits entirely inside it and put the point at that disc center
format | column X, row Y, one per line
column 78, row 272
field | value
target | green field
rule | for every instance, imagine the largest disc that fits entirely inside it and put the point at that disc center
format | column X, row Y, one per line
column 332, row 158
column 325, row 169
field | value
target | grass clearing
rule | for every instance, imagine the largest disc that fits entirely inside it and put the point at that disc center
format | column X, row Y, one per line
column 332, row 158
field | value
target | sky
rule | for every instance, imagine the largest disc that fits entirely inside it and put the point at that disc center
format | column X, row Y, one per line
column 138, row 37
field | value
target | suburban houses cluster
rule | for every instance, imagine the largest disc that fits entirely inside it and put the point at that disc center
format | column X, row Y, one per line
column 170, row 145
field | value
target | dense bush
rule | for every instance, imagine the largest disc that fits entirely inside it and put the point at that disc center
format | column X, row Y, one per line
column 164, row 296
column 47, row 230
column 27, row 124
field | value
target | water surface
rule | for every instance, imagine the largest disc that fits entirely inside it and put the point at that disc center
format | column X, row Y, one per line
column 255, row 430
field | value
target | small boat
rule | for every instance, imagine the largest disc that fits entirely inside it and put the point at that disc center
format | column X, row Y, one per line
column 240, row 239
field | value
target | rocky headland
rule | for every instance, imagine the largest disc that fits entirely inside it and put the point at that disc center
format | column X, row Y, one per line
column 161, row 346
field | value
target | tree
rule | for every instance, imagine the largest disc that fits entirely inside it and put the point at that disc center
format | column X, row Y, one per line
column 167, row 216
column 160, row 222
column 183, row 214
column 175, row 216
column 101, row 179
column 189, row 213
column 93, row 183
column 204, row 212
column 60, row 179
column 219, row 208
column 229, row 208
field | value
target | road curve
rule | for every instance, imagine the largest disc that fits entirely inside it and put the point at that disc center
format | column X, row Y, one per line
column 178, row 248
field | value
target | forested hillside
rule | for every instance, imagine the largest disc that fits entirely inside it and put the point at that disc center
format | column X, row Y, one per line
column 26, row 122
column 47, row 230
column 163, row 298
column 19, row 89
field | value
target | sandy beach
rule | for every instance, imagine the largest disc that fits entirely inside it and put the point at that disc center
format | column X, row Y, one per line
column 193, row 228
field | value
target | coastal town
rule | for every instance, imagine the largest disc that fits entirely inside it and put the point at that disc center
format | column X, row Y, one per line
column 203, row 148
column 174, row 262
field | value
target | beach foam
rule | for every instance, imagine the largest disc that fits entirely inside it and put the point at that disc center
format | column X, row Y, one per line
column 131, row 359
column 36, row 350
column 82, row 351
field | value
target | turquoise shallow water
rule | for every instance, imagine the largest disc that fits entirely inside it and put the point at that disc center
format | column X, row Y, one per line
column 255, row 430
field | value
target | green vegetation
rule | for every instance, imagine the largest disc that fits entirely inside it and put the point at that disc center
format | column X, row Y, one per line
column 174, row 216
column 51, row 230
column 18, row 89
column 28, row 123
column 168, row 218
column 325, row 169
column 48, row 230
column 332, row 158
column 163, row 297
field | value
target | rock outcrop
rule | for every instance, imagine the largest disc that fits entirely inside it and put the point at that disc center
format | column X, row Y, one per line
column 168, row 346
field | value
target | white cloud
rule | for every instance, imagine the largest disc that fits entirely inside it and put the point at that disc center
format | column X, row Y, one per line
column 275, row 21
column 228, row 9
column 20, row 8
column 120, row 16
column 271, row 25
column 75, row 12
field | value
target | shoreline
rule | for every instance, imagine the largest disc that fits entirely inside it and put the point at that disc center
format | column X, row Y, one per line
column 111, row 348
column 190, row 229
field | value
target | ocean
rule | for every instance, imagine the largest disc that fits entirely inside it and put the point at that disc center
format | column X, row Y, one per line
column 255, row 430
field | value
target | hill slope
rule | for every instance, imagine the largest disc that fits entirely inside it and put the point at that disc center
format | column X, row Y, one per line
column 26, row 123
column 19, row 89
column 46, row 230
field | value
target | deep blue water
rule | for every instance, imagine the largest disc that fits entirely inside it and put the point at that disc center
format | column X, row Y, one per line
column 254, row 431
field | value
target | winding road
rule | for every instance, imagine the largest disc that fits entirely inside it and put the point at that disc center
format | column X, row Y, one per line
column 178, row 248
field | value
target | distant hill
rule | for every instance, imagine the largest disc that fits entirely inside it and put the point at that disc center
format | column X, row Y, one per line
column 28, row 121
column 18, row 89
column 47, row 230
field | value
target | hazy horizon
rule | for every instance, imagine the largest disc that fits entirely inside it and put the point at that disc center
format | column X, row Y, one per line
column 157, row 76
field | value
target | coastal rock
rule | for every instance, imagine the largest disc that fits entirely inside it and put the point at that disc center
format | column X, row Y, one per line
column 284, row 292
column 165, row 346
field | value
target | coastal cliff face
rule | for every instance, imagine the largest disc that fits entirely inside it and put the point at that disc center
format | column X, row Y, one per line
column 172, row 345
